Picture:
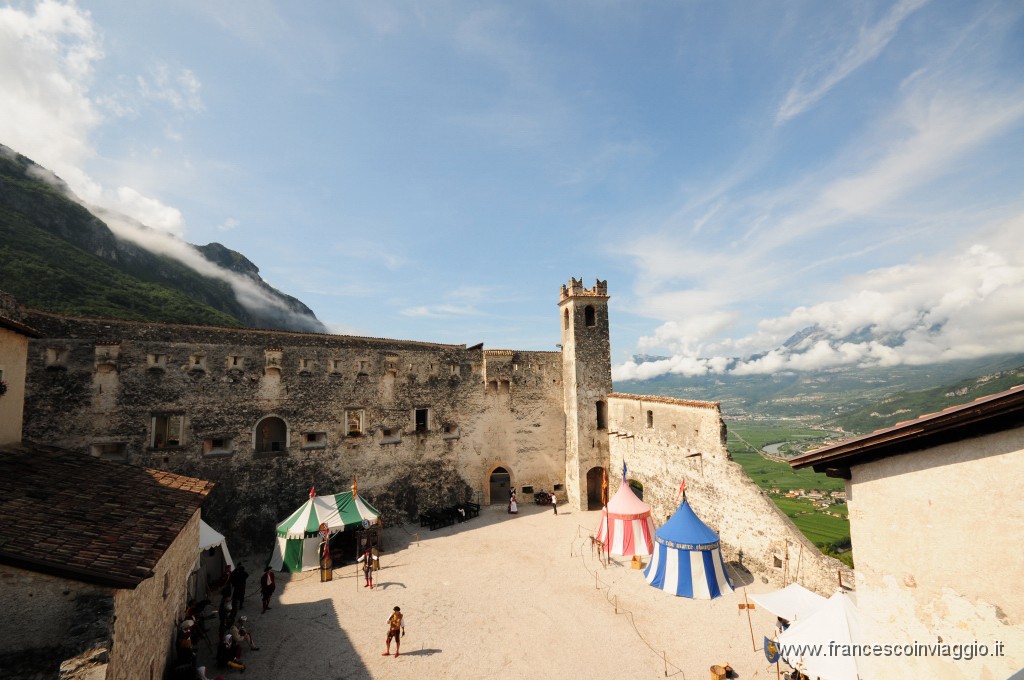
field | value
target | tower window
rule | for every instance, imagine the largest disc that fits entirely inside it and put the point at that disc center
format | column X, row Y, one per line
column 565, row 320
column 588, row 315
column 650, row 419
column 602, row 415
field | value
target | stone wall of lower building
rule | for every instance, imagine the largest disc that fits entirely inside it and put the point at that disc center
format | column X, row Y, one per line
column 667, row 441
column 40, row 609
column 146, row 617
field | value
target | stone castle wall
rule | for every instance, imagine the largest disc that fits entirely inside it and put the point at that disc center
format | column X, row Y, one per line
column 667, row 441
column 431, row 421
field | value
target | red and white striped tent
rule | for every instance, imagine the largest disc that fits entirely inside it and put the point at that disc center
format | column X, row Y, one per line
column 626, row 525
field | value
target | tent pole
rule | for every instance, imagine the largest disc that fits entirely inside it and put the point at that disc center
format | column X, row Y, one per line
column 746, row 605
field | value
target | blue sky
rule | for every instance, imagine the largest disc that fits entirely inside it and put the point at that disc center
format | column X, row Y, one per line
column 436, row 170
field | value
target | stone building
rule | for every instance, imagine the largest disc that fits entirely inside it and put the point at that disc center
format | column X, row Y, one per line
column 268, row 414
column 95, row 559
column 935, row 519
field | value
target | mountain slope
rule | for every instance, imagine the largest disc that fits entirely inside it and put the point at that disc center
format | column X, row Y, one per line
column 856, row 399
column 59, row 256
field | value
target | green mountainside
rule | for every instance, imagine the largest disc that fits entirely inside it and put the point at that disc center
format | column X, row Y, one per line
column 56, row 255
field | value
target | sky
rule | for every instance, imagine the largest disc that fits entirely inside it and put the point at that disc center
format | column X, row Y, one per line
column 435, row 171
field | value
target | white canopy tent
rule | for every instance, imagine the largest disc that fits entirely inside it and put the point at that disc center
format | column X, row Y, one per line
column 213, row 557
column 793, row 603
column 211, row 538
column 836, row 623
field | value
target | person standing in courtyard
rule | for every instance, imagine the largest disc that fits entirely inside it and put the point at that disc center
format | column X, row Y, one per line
column 367, row 559
column 267, row 586
column 238, row 578
column 554, row 502
column 396, row 629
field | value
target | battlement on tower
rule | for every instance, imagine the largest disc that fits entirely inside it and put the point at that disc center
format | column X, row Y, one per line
column 576, row 289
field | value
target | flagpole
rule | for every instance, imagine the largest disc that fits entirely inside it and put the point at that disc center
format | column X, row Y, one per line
column 751, row 625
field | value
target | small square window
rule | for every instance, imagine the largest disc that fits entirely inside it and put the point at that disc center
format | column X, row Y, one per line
column 314, row 440
column 218, row 446
column 354, row 422
column 167, row 431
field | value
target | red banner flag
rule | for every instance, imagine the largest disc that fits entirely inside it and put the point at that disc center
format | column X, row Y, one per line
column 312, row 491
column 682, row 490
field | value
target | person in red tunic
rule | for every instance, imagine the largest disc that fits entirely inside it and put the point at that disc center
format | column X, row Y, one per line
column 267, row 586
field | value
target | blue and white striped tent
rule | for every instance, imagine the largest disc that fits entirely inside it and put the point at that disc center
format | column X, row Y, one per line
column 687, row 558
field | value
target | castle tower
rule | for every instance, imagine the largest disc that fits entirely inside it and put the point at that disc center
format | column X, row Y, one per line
column 587, row 381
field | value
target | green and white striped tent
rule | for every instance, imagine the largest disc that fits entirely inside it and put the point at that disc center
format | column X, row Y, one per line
column 298, row 540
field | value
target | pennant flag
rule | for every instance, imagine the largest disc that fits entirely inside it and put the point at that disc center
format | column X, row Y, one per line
column 682, row 490
column 354, row 492
column 312, row 491
column 771, row 650
column 604, row 486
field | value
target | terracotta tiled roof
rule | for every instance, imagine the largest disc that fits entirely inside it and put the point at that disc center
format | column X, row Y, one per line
column 91, row 520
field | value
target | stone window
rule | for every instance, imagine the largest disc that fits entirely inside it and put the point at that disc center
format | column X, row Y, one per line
column 354, row 422
column 504, row 386
column 335, row 365
column 390, row 436
column 565, row 320
column 167, row 430
column 362, row 366
column 107, row 355
column 109, row 451
column 588, row 315
column 218, row 446
column 156, row 362
column 197, row 362
column 235, row 362
column 650, row 419
column 422, row 420
column 273, row 359
column 455, row 369
column 314, row 440
column 602, row 415
column 559, row 487
column 271, row 435
column 450, row 431
column 527, row 488
column 776, row 562
column 55, row 357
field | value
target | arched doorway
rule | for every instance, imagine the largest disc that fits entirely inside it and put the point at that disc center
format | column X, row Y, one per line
column 637, row 488
column 500, row 483
column 595, row 477
column 271, row 435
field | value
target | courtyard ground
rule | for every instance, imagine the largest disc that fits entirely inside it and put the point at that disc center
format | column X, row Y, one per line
column 498, row 596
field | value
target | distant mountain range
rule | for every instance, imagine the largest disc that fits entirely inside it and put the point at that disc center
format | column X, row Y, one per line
column 857, row 400
column 60, row 255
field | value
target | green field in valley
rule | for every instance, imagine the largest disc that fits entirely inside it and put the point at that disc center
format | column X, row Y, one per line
column 830, row 533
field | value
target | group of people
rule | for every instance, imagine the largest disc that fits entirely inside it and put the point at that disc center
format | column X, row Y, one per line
column 235, row 629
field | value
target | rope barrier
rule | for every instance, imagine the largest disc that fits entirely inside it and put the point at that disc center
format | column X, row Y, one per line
column 614, row 601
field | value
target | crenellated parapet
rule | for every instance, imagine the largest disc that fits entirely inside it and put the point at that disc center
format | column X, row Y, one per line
column 576, row 289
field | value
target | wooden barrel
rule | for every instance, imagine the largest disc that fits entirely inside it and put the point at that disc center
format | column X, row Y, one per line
column 717, row 672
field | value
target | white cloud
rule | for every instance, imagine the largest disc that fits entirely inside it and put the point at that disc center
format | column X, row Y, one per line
column 944, row 307
column 439, row 311
column 180, row 90
column 47, row 58
column 869, row 42
column 229, row 224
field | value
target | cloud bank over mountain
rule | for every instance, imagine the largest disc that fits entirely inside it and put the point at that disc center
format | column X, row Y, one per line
column 932, row 310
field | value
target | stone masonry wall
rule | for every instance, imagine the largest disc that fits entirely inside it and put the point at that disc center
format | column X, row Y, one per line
column 145, row 618
column 686, row 441
column 44, row 605
column 106, row 387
